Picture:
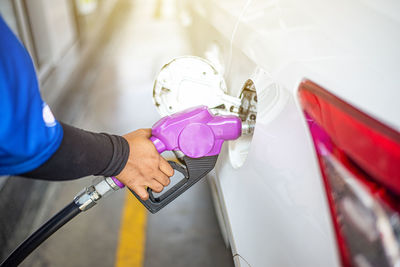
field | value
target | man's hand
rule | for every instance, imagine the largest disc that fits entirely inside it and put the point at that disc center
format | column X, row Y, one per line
column 145, row 167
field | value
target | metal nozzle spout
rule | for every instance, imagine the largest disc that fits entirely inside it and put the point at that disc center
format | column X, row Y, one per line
column 248, row 127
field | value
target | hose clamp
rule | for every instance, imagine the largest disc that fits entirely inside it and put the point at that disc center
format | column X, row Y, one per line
column 87, row 198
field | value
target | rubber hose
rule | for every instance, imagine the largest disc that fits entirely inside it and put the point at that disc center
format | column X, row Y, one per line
column 38, row 237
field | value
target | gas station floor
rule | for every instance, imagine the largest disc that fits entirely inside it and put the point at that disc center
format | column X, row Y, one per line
column 114, row 95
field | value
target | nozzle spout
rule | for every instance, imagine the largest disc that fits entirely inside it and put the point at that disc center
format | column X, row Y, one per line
column 248, row 127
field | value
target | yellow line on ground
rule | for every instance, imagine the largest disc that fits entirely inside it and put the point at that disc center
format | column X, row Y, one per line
column 132, row 236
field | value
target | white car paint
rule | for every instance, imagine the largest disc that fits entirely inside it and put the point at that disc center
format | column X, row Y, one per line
column 274, row 205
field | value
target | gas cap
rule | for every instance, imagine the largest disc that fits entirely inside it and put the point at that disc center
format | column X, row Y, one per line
column 191, row 81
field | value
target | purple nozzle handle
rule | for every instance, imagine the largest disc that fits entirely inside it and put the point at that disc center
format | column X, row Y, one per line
column 195, row 131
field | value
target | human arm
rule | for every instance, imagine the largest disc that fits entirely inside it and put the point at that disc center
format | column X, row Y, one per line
column 132, row 158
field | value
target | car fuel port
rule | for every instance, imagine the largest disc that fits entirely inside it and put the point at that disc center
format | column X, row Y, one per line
column 247, row 112
column 248, row 107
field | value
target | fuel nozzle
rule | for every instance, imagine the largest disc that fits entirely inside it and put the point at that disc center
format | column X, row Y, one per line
column 197, row 134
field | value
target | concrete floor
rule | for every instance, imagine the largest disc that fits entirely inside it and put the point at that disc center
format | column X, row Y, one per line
column 114, row 95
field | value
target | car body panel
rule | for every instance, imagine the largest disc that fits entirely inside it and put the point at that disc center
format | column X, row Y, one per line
column 349, row 47
column 274, row 205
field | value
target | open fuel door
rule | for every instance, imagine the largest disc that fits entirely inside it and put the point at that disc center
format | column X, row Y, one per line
column 191, row 81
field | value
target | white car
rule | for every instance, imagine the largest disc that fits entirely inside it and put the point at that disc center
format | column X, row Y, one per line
column 318, row 182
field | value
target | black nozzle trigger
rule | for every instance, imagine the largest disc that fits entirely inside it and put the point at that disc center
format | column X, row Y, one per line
column 193, row 170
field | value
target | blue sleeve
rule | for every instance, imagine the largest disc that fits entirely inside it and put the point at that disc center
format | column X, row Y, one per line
column 29, row 133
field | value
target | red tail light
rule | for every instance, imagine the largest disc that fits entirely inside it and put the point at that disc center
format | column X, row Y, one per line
column 360, row 163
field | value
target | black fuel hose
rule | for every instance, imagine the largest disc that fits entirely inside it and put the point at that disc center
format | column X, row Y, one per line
column 38, row 237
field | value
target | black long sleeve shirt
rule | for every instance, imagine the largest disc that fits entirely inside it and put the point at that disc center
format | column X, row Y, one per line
column 84, row 153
